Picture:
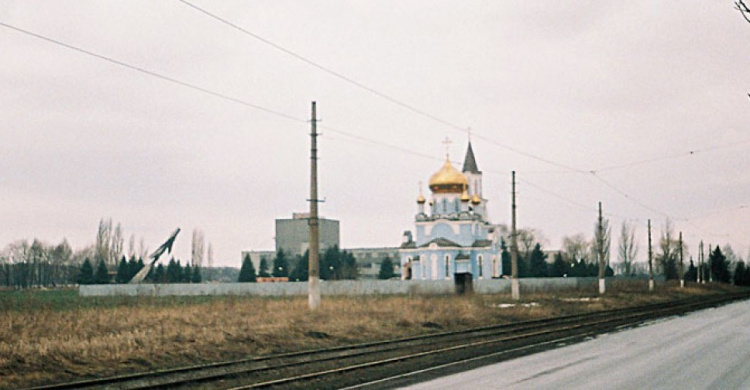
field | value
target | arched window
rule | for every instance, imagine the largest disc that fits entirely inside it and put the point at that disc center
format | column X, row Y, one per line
column 447, row 266
column 480, row 259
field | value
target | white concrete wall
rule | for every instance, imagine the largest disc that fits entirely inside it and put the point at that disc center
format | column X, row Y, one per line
column 344, row 287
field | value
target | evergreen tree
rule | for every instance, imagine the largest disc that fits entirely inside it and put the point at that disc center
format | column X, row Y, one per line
column 579, row 269
column 300, row 272
column 160, row 274
column 559, row 267
column 197, row 278
column 505, row 256
column 263, row 271
column 102, row 274
column 187, row 274
column 692, row 272
column 386, row 269
column 350, row 269
column 537, row 262
column 330, row 264
column 174, row 271
column 86, row 275
column 280, row 265
column 133, row 267
column 719, row 266
column 247, row 271
column 122, row 272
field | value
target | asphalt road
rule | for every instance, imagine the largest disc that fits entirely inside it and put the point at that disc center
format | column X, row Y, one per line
column 709, row 349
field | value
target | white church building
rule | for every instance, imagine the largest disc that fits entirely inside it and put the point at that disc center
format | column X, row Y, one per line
column 452, row 236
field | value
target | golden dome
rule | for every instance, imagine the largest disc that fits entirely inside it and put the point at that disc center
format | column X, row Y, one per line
column 448, row 180
column 465, row 196
column 475, row 199
column 421, row 199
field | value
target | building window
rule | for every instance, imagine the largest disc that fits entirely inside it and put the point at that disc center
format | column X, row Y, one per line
column 480, row 259
column 447, row 266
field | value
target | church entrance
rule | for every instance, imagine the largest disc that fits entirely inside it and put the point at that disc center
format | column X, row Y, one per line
column 463, row 283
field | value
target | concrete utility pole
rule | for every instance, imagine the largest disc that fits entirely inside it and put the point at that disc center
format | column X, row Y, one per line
column 682, row 266
column 710, row 274
column 313, row 285
column 515, row 288
column 700, row 262
column 650, row 260
column 600, row 252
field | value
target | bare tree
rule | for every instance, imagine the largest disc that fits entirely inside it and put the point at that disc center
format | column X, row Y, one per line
column 142, row 249
column 575, row 248
column 197, row 248
column 670, row 249
column 103, row 239
column 603, row 240
column 115, row 245
column 131, row 246
column 210, row 256
column 627, row 250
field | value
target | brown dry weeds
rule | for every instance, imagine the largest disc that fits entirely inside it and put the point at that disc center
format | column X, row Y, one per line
column 49, row 344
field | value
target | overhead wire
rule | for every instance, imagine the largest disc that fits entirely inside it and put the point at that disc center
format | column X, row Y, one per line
column 373, row 90
column 350, row 135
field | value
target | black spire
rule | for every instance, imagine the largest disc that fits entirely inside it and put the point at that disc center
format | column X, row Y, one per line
column 470, row 163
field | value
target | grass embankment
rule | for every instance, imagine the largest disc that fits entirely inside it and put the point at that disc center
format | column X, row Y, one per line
column 54, row 336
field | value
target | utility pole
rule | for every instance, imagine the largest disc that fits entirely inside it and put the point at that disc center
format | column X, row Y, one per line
column 710, row 274
column 600, row 252
column 313, row 285
column 515, row 289
column 682, row 266
column 700, row 262
column 650, row 260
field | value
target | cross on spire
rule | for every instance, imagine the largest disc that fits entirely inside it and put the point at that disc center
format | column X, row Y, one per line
column 447, row 142
column 468, row 131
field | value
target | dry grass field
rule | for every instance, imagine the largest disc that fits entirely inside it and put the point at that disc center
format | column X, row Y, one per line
column 54, row 336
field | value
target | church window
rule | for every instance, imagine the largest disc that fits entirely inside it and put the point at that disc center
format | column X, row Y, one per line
column 434, row 266
column 447, row 266
column 445, row 206
column 480, row 259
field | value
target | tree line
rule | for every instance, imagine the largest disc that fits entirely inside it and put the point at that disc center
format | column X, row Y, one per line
column 335, row 264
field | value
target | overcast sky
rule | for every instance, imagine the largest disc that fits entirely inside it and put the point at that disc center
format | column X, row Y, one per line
column 652, row 96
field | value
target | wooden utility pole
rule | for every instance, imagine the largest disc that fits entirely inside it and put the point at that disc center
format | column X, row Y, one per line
column 515, row 289
column 682, row 266
column 600, row 252
column 650, row 260
column 313, row 285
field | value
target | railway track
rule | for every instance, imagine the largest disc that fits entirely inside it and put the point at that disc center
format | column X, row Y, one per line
column 390, row 363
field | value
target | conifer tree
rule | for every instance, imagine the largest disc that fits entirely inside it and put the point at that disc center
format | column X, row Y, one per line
column 301, row 270
column 197, row 278
column 123, row 273
column 86, row 275
column 386, row 269
column 102, row 274
column 160, row 275
column 559, row 267
column 280, row 265
column 263, row 271
column 174, row 271
column 247, row 271
column 719, row 266
column 537, row 262
column 187, row 274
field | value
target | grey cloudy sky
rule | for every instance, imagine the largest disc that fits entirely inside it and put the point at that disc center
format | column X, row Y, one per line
column 627, row 90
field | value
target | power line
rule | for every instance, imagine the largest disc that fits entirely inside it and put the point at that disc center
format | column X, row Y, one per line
column 669, row 157
column 151, row 73
column 372, row 90
column 352, row 136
